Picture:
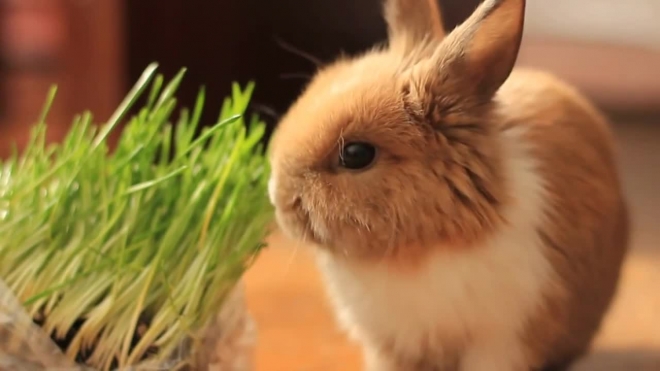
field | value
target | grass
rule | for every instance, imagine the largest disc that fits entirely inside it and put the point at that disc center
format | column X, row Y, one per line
column 121, row 255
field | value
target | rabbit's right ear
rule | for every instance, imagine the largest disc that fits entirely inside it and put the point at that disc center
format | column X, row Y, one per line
column 413, row 23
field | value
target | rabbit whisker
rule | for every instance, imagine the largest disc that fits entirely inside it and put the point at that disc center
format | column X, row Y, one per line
column 295, row 51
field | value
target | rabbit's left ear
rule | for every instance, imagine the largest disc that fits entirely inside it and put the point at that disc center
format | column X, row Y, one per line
column 412, row 23
column 483, row 50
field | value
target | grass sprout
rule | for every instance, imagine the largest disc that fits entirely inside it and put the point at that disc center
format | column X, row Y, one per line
column 124, row 254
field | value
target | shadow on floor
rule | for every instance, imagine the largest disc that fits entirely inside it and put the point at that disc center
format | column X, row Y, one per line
column 621, row 360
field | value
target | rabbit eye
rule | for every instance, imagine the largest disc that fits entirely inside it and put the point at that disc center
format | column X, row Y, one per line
column 357, row 155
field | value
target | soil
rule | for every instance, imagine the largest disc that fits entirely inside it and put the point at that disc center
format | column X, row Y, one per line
column 83, row 356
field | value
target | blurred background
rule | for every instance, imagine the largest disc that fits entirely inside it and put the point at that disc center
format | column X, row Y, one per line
column 95, row 49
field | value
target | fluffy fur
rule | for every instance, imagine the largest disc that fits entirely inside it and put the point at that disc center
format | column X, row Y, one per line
column 490, row 231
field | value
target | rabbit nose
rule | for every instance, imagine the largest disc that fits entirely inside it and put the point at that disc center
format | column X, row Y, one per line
column 281, row 194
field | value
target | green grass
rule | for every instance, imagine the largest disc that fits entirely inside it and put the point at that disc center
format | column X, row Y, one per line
column 155, row 232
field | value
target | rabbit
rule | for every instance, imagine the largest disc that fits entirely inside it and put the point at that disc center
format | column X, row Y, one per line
column 465, row 214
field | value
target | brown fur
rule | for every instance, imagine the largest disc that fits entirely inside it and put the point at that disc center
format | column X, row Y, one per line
column 435, row 106
column 577, row 152
column 411, row 21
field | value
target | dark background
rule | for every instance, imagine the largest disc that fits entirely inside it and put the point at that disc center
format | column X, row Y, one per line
column 94, row 50
column 241, row 40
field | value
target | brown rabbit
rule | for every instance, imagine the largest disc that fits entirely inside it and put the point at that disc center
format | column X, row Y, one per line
column 466, row 217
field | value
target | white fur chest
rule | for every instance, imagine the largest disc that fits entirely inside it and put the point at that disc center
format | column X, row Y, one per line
column 481, row 295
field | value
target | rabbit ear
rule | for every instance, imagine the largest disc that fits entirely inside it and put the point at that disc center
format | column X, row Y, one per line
column 412, row 23
column 483, row 50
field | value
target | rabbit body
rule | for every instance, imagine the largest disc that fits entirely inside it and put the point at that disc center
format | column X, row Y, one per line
column 467, row 215
column 532, row 295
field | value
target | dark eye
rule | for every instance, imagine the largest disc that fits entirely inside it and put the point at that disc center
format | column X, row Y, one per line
column 357, row 155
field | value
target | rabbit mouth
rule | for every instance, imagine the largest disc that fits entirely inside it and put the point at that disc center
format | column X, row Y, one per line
column 297, row 224
column 292, row 217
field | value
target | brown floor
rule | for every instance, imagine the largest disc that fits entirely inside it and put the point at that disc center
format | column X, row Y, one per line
column 297, row 332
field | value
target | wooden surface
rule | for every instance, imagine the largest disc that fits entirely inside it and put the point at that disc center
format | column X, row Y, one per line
column 297, row 331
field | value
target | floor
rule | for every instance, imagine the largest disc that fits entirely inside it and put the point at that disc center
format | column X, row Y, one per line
column 297, row 331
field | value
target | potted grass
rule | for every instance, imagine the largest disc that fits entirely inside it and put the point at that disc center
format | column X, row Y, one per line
column 132, row 259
